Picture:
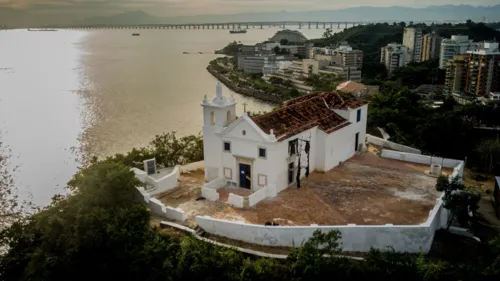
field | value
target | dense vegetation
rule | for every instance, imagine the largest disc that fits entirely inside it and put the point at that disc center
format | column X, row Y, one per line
column 166, row 148
column 448, row 131
column 371, row 38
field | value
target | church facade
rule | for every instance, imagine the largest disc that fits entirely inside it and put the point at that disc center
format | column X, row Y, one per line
column 315, row 132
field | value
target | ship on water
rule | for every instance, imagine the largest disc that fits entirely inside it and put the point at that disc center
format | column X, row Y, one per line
column 235, row 31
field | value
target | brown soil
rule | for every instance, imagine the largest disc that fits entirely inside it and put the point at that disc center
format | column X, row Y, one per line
column 366, row 189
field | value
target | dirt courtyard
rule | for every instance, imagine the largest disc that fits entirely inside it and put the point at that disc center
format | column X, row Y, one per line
column 366, row 189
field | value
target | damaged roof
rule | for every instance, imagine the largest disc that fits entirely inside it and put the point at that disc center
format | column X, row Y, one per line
column 306, row 112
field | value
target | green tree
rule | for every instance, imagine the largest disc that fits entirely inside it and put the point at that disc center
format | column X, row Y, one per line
column 460, row 201
column 489, row 151
column 316, row 255
column 167, row 149
column 284, row 42
column 328, row 33
column 99, row 230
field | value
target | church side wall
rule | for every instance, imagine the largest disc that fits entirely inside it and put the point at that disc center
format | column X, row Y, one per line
column 339, row 146
column 285, row 159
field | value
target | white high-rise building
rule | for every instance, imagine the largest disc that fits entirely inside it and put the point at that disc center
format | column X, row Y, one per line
column 393, row 56
column 412, row 39
column 457, row 45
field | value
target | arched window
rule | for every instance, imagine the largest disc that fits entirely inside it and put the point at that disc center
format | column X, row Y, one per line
column 228, row 117
column 212, row 118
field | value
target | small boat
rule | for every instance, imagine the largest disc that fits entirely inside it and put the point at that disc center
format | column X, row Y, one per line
column 185, row 53
column 136, row 34
column 235, row 31
column 200, row 53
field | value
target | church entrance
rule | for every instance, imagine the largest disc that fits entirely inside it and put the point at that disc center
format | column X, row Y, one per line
column 245, row 176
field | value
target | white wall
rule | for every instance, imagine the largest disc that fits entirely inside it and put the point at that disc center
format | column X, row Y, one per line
column 282, row 165
column 422, row 159
column 320, row 151
column 166, row 183
column 403, row 238
column 158, row 208
column 257, row 196
column 339, row 146
column 247, row 146
column 209, row 189
column 236, row 200
column 215, row 184
column 392, row 145
column 210, row 194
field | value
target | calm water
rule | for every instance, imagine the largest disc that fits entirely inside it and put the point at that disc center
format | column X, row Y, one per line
column 102, row 92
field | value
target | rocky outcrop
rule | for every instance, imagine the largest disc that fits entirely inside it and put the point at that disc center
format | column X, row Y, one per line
column 268, row 97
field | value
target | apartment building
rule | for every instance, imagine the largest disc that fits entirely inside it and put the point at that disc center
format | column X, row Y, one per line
column 314, row 66
column 412, row 39
column 343, row 55
column 255, row 64
column 483, row 70
column 457, row 45
column 393, row 56
column 348, row 56
column 455, row 74
column 431, row 46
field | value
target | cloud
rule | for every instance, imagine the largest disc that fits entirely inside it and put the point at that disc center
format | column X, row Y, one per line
column 199, row 7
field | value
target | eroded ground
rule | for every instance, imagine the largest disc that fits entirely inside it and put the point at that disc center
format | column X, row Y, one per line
column 366, row 189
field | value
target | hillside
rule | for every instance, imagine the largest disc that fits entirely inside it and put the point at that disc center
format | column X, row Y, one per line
column 433, row 13
column 370, row 38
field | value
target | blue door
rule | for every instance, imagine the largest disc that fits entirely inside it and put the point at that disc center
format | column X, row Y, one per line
column 245, row 176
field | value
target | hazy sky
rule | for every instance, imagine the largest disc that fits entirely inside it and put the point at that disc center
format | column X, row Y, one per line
column 198, row 7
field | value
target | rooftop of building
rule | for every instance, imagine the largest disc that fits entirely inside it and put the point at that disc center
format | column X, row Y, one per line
column 351, row 87
column 486, row 48
column 303, row 113
column 364, row 190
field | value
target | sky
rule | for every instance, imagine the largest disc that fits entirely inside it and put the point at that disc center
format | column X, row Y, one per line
column 208, row 7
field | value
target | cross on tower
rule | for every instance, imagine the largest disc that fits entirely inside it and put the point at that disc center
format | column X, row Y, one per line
column 244, row 107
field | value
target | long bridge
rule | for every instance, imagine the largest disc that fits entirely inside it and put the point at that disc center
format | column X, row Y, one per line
column 230, row 25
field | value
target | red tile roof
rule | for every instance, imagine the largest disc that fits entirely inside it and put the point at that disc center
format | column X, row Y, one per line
column 306, row 112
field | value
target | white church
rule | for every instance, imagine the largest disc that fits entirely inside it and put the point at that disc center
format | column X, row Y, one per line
column 315, row 132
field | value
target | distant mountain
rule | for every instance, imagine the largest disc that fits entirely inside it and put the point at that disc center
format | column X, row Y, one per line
column 445, row 13
column 432, row 13
column 135, row 17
